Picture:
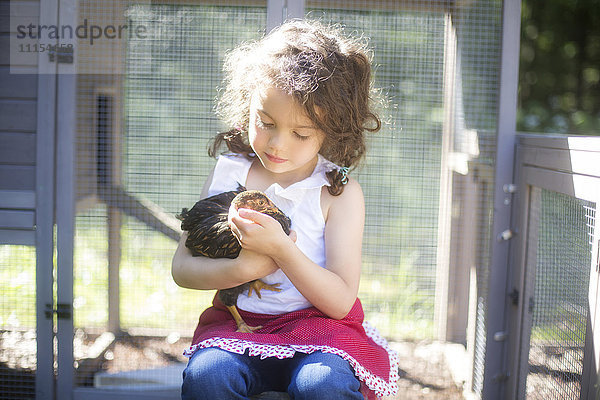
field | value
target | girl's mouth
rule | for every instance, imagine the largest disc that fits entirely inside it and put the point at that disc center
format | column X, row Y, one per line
column 275, row 159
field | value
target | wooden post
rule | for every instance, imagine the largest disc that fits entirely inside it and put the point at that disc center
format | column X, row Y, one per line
column 44, row 213
column 108, row 174
column 114, row 263
column 445, row 199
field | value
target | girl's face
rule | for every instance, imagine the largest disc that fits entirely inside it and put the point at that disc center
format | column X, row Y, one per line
column 282, row 136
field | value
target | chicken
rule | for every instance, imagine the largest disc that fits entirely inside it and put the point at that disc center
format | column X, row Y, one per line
column 209, row 235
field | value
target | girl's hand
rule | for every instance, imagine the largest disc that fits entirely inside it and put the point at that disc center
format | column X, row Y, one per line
column 258, row 232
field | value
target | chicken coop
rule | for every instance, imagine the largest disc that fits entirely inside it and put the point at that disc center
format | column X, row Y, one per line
column 475, row 234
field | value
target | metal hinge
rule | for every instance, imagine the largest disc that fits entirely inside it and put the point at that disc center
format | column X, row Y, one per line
column 501, row 377
column 514, row 296
column 62, row 311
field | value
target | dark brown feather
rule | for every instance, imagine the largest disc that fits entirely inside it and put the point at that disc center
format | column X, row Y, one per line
column 209, row 234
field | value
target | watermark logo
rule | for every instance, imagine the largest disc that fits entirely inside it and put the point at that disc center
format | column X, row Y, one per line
column 89, row 46
column 67, row 32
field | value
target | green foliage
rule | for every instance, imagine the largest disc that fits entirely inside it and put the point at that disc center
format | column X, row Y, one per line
column 17, row 285
column 559, row 83
column 395, row 299
column 148, row 296
column 562, row 270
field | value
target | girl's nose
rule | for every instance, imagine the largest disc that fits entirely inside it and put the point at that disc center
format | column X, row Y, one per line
column 276, row 140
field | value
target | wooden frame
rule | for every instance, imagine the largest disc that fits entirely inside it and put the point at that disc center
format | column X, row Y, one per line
column 67, row 202
column 45, row 203
column 66, row 127
column 557, row 164
column 548, row 155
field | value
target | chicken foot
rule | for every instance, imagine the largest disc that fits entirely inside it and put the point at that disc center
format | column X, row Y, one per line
column 241, row 324
column 259, row 285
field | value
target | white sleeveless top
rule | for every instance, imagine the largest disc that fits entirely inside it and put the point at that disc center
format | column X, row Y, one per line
column 301, row 202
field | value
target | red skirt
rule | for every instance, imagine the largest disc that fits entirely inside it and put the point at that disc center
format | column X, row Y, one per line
column 305, row 331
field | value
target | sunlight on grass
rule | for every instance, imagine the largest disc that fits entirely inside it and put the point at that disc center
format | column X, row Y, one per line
column 395, row 303
column 393, row 300
column 148, row 296
column 17, row 284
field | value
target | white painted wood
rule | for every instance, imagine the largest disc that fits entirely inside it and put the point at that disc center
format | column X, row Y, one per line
column 585, row 143
column 17, row 219
column 66, row 126
column 17, row 86
column 44, row 233
column 560, row 165
column 17, row 237
column 275, row 13
column 17, row 148
column 17, row 177
column 496, row 357
column 17, row 199
column 295, row 9
column 444, row 234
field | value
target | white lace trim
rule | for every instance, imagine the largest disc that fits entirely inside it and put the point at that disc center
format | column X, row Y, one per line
column 373, row 382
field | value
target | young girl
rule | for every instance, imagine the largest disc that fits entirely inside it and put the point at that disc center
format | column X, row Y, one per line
column 299, row 100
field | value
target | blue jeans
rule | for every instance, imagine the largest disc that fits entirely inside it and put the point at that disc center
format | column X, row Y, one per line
column 217, row 374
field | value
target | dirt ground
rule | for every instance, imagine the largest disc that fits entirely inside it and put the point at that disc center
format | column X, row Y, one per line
column 424, row 369
column 424, row 373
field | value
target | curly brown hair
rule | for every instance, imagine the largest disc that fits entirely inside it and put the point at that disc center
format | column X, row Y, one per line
column 326, row 72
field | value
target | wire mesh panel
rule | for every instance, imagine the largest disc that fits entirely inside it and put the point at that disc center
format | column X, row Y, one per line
column 169, row 94
column 559, row 307
column 17, row 322
column 144, row 120
column 400, row 176
column 142, row 138
column 437, row 65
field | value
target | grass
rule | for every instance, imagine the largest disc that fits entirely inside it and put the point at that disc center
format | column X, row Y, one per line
column 17, row 285
column 150, row 299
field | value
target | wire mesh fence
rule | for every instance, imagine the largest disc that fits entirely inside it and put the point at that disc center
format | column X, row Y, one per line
column 142, row 134
column 18, row 353
column 559, row 307
column 142, row 157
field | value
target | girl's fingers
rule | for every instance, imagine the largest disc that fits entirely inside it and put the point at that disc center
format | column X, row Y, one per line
column 235, row 232
column 257, row 228
column 255, row 216
column 240, row 227
column 236, row 223
column 247, row 213
column 242, row 223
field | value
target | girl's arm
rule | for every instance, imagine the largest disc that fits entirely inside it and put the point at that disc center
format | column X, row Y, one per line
column 217, row 273
column 332, row 290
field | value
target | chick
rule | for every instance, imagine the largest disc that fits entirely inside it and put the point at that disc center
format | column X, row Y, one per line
column 209, row 235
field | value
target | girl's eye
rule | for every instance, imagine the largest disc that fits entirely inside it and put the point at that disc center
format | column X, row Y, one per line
column 301, row 137
column 263, row 124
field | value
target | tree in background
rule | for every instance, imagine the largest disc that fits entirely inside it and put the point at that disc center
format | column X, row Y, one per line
column 559, row 83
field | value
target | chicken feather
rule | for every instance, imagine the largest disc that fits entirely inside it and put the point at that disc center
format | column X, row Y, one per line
column 209, row 235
